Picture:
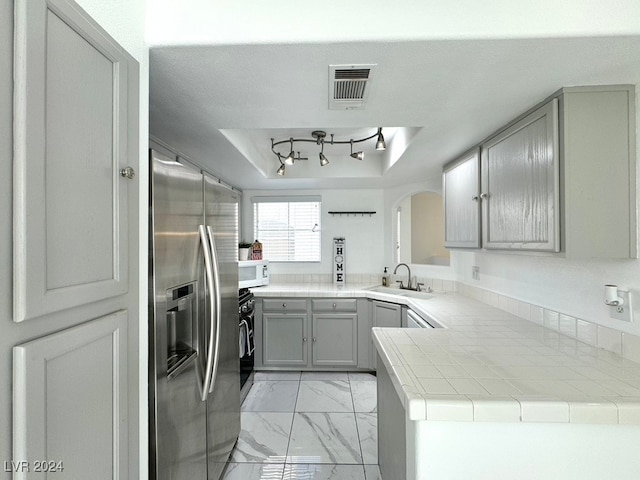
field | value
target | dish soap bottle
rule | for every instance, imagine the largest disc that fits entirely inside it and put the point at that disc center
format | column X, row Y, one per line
column 385, row 278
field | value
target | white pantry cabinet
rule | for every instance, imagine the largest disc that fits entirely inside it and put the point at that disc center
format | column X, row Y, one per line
column 75, row 245
column 461, row 192
column 560, row 179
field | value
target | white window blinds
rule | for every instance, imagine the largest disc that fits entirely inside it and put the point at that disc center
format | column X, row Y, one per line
column 288, row 228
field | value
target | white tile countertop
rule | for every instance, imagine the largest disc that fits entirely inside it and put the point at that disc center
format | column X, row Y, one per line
column 488, row 365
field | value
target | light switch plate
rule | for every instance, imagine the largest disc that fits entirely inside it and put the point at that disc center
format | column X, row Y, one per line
column 622, row 312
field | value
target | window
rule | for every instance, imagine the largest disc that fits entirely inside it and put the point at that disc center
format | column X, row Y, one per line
column 288, row 227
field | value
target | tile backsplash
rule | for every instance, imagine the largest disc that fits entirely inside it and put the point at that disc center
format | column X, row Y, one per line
column 609, row 339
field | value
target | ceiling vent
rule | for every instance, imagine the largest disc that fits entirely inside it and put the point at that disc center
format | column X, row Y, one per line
column 349, row 86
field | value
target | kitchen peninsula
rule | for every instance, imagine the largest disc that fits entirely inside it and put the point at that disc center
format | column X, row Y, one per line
column 492, row 395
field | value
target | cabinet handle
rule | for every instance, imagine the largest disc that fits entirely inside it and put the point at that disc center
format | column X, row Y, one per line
column 314, row 339
column 128, row 172
column 334, row 305
column 484, row 196
column 474, row 198
column 304, row 339
column 284, row 305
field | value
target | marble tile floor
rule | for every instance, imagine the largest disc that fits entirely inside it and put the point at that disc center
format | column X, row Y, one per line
column 308, row 426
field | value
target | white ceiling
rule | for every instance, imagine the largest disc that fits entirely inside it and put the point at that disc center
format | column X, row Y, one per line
column 221, row 104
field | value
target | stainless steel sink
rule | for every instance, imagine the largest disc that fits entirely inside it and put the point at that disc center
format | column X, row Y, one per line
column 400, row 292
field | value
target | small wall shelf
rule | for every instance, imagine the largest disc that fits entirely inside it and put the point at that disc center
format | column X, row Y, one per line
column 353, row 213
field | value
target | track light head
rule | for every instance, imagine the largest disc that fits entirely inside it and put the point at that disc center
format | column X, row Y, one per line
column 323, row 159
column 292, row 155
column 380, row 143
column 281, row 170
column 356, row 155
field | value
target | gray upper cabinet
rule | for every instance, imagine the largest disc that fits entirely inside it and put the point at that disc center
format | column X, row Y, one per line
column 520, row 184
column 75, row 134
column 461, row 188
column 598, row 172
column 559, row 179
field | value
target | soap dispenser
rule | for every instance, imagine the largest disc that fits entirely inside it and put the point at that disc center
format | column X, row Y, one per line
column 385, row 278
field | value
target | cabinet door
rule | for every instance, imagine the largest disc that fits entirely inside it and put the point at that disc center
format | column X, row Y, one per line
column 461, row 188
column 386, row 314
column 70, row 401
column 335, row 339
column 75, row 110
column 383, row 314
column 284, row 339
column 520, row 184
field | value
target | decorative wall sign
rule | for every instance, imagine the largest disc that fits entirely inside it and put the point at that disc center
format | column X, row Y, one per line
column 339, row 269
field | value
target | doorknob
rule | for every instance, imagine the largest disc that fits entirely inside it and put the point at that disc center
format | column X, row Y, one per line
column 128, row 172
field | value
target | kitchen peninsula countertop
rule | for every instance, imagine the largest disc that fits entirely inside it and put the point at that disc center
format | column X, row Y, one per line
column 488, row 365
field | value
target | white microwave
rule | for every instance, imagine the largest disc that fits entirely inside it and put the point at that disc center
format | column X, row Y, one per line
column 253, row 273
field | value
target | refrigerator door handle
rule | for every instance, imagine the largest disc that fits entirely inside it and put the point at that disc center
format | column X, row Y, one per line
column 218, row 309
column 209, row 274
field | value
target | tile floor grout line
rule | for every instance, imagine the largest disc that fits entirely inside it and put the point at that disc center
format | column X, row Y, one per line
column 355, row 419
column 293, row 419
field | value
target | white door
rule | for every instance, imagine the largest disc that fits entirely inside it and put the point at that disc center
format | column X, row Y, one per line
column 75, row 242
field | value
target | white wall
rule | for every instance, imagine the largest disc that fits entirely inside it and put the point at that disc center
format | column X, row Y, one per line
column 363, row 234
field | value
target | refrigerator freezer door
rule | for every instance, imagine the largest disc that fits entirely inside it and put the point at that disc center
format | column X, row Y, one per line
column 223, row 405
column 177, row 415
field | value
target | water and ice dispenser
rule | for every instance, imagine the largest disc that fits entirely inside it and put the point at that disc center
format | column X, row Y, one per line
column 181, row 334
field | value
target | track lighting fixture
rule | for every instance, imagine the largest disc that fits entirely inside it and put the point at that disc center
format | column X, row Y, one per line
column 319, row 137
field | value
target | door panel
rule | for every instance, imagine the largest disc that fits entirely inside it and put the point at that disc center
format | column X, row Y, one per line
column 520, row 169
column 70, row 400
column 73, row 133
column 335, row 339
column 284, row 339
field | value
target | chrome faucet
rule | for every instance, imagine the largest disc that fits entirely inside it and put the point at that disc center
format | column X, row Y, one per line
column 408, row 287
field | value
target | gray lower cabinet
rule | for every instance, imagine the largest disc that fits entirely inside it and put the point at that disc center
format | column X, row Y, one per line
column 335, row 339
column 284, row 339
column 322, row 333
column 383, row 314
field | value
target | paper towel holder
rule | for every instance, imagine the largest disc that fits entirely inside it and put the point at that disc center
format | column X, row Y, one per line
column 611, row 296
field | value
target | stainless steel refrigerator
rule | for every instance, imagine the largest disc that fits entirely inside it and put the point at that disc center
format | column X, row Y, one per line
column 194, row 391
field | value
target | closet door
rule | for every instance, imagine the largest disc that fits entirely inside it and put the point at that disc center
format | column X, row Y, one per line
column 75, row 141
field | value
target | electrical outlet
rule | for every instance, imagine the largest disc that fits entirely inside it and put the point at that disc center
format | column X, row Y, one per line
column 475, row 273
column 622, row 312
